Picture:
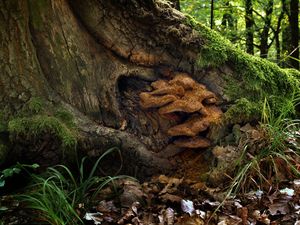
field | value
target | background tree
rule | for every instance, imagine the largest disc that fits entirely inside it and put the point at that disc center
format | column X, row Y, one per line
column 264, row 36
column 269, row 22
column 249, row 26
column 291, row 34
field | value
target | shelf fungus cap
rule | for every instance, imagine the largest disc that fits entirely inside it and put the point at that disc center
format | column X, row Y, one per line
column 195, row 142
column 183, row 80
column 180, row 105
column 149, row 101
column 159, row 84
column 190, row 128
column 214, row 113
column 172, row 90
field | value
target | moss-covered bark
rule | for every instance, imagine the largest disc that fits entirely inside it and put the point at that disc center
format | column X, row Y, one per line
column 251, row 80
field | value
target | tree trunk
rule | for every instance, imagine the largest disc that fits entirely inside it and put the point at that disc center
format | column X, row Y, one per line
column 294, row 26
column 264, row 37
column 135, row 74
column 290, row 37
column 277, row 32
column 249, row 26
column 212, row 23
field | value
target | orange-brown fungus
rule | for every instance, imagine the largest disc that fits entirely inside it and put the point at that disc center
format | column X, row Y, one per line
column 182, row 94
column 194, row 142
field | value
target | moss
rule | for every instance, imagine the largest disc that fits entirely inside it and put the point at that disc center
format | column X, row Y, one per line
column 40, row 124
column 214, row 45
column 66, row 117
column 37, row 118
column 35, row 105
column 250, row 111
column 254, row 79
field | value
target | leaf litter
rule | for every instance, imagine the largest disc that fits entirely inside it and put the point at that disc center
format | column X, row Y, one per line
column 172, row 201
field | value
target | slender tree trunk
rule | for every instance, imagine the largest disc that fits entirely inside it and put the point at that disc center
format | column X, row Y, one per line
column 249, row 26
column 264, row 47
column 211, row 14
column 277, row 33
column 290, row 37
column 294, row 26
column 278, row 49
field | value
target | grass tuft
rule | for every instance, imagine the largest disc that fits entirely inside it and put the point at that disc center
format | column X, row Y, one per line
column 57, row 194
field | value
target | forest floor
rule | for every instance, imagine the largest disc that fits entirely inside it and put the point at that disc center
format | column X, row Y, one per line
column 167, row 201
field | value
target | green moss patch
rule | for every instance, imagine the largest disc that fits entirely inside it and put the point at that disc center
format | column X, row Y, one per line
column 40, row 124
column 250, row 111
column 37, row 118
column 254, row 79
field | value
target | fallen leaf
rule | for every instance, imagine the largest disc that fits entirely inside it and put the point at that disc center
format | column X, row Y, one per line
column 287, row 191
column 190, row 220
column 95, row 217
column 187, row 206
column 279, row 207
column 169, row 197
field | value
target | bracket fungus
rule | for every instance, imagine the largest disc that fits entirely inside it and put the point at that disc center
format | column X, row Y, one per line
column 191, row 101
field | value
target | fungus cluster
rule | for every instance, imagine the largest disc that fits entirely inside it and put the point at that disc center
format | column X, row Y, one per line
column 189, row 101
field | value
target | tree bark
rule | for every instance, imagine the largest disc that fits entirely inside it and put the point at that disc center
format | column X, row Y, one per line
column 291, row 35
column 264, row 37
column 176, row 4
column 212, row 14
column 97, row 59
column 249, row 26
column 88, row 57
column 294, row 26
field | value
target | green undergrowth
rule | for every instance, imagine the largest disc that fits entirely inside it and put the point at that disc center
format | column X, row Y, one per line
column 271, row 157
column 253, row 79
column 61, row 193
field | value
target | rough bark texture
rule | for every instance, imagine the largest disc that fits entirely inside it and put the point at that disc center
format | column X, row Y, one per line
column 91, row 56
column 93, row 59
column 249, row 26
column 264, row 37
column 294, row 26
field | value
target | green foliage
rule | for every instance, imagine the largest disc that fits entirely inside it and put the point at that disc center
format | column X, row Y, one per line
column 57, row 194
column 52, row 200
column 277, row 153
column 230, row 24
column 41, row 124
column 13, row 170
